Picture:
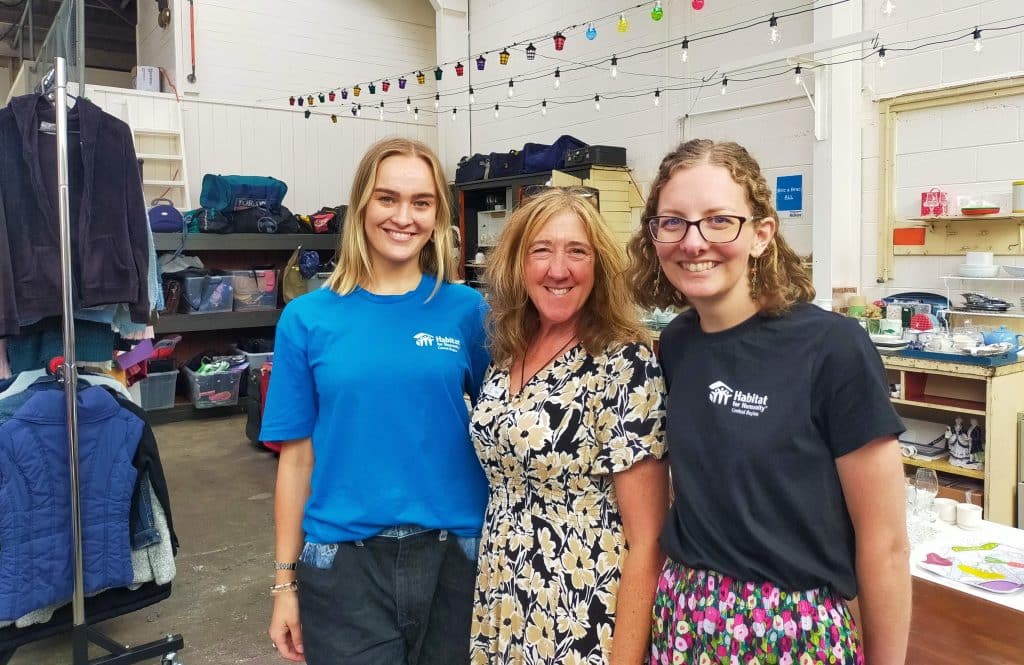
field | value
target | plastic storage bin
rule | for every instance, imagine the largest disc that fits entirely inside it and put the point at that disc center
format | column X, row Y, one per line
column 256, row 360
column 255, row 289
column 207, row 293
column 212, row 390
column 156, row 391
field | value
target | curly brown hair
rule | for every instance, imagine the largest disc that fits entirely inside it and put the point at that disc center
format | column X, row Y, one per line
column 609, row 316
column 781, row 278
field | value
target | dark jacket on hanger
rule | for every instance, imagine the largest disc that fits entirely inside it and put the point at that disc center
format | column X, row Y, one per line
column 35, row 511
column 110, row 256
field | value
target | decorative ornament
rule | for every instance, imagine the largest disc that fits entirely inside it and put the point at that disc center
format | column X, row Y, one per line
column 684, row 54
column 774, row 34
column 307, row 114
column 309, row 100
column 302, row 101
column 503, row 56
column 385, row 85
column 291, row 101
column 421, row 78
column 558, row 78
column 531, row 51
column 511, row 89
column 559, row 41
column 401, row 83
column 591, row 32
column 356, row 90
column 623, row 24
column 344, row 93
column 438, row 73
column 697, row 4
column 614, row 71
column 481, row 62
column 459, row 69
column 657, row 13
column 334, row 119
column 322, row 97
column 331, row 95
column 373, row 88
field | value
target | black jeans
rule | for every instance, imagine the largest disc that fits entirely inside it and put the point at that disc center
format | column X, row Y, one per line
column 389, row 601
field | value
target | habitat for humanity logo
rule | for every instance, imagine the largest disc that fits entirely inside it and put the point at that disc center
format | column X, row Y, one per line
column 438, row 341
column 739, row 402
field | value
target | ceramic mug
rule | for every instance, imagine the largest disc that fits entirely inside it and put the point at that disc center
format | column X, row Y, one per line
column 968, row 515
column 946, row 509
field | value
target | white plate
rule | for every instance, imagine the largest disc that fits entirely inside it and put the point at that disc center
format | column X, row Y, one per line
column 887, row 339
column 967, row 270
column 1013, row 271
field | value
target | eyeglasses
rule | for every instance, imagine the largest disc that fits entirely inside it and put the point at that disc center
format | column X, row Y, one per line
column 589, row 194
column 714, row 229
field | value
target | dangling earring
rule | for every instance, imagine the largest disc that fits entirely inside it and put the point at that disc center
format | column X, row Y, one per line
column 657, row 279
column 755, row 286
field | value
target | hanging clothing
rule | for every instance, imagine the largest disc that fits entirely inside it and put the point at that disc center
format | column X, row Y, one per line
column 110, row 255
column 40, row 342
column 35, row 514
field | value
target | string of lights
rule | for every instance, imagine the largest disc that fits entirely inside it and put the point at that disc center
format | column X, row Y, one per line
column 694, row 84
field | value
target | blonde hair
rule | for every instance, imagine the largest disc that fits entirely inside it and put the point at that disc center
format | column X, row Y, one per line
column 609, row 315
column 781, row 280
column 355, row 268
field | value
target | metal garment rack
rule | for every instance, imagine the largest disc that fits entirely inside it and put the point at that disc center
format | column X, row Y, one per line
column 81, row 633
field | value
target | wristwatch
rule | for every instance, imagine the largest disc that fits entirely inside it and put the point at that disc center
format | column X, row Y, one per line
column 283, row 566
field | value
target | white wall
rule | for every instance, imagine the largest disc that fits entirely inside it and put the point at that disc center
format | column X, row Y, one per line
column 268, row 50
column 154, row 46
column 975, row 148
column 315, row 157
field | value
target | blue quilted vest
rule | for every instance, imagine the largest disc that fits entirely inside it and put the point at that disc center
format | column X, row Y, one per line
column 35, row 509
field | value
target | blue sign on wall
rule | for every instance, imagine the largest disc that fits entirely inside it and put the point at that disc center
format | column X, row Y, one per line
column 789, row 194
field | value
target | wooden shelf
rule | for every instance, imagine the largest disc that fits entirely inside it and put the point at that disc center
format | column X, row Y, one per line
column 970, row 218
column 946, row 404
column 216, row 321
column 970, row 312
column 153, row 131
column 943, row 466
column 985, row 279
column 245, row 241
column 163, row 183
column 158, row 157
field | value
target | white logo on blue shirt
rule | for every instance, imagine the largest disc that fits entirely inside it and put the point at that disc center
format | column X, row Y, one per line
column 440, row 342
column 423, row 339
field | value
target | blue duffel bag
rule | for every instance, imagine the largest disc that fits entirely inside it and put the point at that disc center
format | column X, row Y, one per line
column 539, row 157
column 505, row 164
column 471, row 168
column 230, row 193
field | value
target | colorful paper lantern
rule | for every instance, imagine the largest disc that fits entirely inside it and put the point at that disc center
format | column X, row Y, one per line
column 331, row 95
column 438, row 73
column 291, row 101
column 344, row 93
column 657, row 13
column 322, row 97
column 559, row 41
column 503, row 56
column 385, row 85
column 481, row 62
column 309, row 100
column 401, row 83
column 421, row 78
column 302, row 101
column 373, row 89
column 591, row 32
column 306, row 114
column 531, row 51
column 356, row 90
column 459, row 69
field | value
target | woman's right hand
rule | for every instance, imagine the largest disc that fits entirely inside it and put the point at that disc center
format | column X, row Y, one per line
column 285, row 629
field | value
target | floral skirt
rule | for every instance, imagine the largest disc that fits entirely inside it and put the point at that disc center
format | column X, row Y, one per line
column 703, row 617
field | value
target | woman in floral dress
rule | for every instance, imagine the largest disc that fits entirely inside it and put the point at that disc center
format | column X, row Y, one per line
column 569, row 430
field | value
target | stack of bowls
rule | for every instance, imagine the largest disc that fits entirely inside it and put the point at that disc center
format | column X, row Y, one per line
column 978, row 264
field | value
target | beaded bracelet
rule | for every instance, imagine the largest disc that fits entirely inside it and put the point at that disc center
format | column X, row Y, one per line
column 281, row 588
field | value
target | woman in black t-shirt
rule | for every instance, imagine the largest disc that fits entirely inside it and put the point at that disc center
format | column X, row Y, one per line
column 782, row 440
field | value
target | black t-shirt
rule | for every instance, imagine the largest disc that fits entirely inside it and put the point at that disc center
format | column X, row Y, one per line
column 757, row 415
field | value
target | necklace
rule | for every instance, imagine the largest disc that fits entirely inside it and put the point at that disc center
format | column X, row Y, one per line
column 522, row 367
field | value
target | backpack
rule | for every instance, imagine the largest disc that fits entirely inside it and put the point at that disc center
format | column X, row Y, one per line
column 164, row 217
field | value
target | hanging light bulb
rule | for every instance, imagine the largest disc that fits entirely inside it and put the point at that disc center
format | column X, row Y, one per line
column 380, row 113
column 437, row 100
column 797, row 79
column 496, row 113
column 888, row 7
column 774, row 33
column 725, row 84
column 503, row 56
column 472, row 98
column 591, row 32
column 511, row 89
column 558, row 78
column 881, row 57
column 408, row 104
column 657, row 13
column 453, row 114
column 597, row 102
column 544, row 107
column 416, row 113
column 615, row 67
column 977, row 41
column 657, row 97
column 531, row 51
column 623, row 24
column 559, row 41
column 684, row 54
column 359, row 110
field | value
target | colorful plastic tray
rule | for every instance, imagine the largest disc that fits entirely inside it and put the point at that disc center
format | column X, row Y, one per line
column 990, row 566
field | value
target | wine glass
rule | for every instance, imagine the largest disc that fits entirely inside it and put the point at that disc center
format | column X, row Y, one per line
column 926, row 487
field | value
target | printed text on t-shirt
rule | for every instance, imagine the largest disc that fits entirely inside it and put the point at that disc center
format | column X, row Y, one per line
column 739, row 402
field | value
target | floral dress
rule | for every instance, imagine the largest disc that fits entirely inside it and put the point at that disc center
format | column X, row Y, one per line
column 552, row 543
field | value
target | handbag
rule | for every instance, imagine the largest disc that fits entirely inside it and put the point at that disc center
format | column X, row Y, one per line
column 164, row 217
column 293, row 284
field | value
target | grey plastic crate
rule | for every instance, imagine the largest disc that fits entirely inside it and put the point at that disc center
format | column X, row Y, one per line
column 156, row 391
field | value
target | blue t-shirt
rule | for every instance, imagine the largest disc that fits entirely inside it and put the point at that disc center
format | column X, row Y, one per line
column 378, row 382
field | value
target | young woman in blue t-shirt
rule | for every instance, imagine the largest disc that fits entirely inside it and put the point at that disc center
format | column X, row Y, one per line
column 787, row 477
column 379, row 497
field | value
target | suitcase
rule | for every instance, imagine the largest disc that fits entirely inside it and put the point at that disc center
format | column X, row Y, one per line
column 259, row 385
column 596, row 155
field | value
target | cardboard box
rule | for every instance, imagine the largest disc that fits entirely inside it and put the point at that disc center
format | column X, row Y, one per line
column 146, row 78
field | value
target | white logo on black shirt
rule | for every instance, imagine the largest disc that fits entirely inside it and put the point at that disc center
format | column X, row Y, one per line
column 739, row 402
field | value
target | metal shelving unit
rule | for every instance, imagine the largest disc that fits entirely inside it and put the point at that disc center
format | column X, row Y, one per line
column 216, row 321
column 245, row 241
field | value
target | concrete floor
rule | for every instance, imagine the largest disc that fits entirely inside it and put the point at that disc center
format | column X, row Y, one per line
column 221, row 496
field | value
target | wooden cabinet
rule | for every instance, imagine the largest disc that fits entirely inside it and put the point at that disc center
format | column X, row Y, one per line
column 992, row 395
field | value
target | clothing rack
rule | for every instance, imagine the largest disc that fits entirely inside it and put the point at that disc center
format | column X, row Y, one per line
column 81, row 633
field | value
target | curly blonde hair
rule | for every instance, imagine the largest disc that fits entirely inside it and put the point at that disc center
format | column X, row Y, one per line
column 781, row 280
column 355, row 268
column 609, row 316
